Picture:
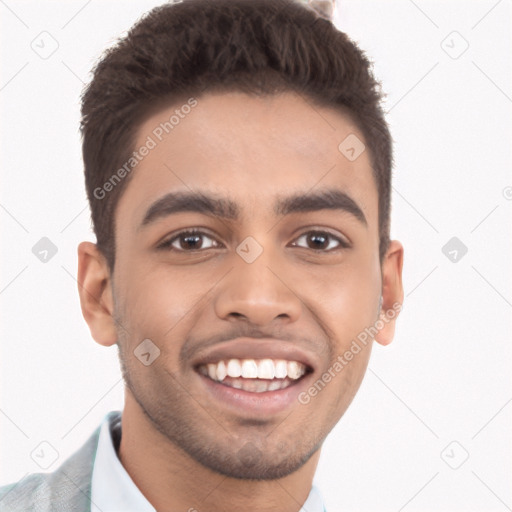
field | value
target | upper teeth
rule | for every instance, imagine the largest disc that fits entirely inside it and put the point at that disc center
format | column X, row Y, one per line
column 254, row 369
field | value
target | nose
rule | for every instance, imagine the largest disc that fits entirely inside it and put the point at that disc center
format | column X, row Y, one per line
column 259, row 292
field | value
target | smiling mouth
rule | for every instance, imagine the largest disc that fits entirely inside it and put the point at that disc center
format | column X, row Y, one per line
column 255, row 375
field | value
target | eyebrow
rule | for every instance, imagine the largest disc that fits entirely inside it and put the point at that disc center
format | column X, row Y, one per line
column 224, row 208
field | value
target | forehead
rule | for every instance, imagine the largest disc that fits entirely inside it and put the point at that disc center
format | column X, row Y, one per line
column 249, row 149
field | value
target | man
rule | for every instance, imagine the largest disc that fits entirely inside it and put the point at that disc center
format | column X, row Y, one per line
column 238, row 168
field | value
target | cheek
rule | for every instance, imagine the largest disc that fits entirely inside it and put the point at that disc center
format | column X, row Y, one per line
column 158, row 300
column 346, row 295
column 334, row 389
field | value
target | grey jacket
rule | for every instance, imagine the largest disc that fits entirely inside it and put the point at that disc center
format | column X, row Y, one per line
column 67, row 489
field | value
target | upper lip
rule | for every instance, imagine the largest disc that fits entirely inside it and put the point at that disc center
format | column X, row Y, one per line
column 255, row 348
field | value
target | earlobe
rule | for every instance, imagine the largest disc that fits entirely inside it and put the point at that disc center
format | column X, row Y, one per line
column 95, row 291
column 392, row 292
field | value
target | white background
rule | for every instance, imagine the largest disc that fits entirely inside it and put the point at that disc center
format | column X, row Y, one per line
column 445, row 377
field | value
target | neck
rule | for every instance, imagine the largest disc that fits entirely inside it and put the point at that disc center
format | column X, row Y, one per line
column 170, row 479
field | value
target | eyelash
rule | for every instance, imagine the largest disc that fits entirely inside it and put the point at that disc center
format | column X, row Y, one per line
column 167, row 244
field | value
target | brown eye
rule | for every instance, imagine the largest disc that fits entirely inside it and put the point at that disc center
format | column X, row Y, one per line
column 187, row 241
column 322, row 241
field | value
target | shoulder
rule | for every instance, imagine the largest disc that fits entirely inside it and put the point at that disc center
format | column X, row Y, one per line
column 28, row 494
column 67, row 488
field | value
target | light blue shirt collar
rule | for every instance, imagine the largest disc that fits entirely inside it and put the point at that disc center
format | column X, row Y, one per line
column 113, row 490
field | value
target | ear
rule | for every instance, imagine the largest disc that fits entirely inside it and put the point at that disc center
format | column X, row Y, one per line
column 95, row 290
column 392, row 291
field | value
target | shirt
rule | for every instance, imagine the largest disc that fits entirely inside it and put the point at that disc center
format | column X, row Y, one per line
column 113, row 490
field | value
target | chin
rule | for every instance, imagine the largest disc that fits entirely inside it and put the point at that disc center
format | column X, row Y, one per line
column 261, row 469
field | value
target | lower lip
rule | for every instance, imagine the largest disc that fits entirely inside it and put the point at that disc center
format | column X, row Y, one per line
column 250, row 403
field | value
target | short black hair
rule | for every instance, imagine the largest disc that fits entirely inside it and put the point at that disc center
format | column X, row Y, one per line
column 184, row 49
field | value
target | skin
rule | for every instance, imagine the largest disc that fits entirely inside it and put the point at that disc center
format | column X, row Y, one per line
column 180, row 447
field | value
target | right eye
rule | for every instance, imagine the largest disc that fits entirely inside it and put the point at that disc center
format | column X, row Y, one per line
column 189, row 240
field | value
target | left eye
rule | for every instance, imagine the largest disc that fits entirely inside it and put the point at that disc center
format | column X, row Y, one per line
column 320, row 238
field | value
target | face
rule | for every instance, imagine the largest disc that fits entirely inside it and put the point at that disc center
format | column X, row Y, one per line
column 261, row 302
